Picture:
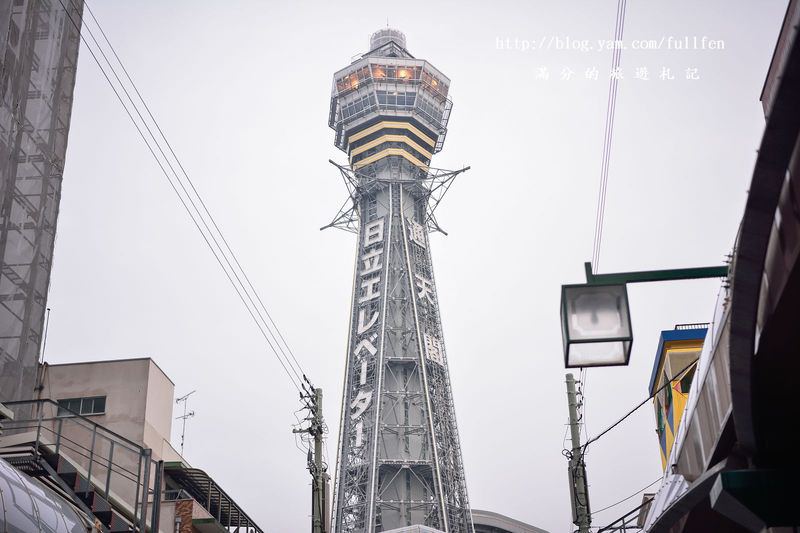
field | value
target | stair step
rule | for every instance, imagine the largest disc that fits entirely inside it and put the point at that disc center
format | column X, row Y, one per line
column 65, row 471
column 82, row 484
column 21, row 449
column 117, row 524
column 24, row 458
column 95, row 502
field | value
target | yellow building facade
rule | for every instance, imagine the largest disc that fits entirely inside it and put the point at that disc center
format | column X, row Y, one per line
column 673, row 372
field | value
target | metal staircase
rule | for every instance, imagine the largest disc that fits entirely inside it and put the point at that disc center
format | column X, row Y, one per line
column 102, row 473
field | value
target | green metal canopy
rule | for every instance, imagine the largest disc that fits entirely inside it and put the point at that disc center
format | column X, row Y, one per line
column 210, row 495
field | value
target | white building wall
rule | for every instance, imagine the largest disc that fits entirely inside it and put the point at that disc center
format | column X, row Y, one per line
column 139, row 398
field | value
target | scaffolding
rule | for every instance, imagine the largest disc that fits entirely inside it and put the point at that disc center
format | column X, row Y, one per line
column 38, row 59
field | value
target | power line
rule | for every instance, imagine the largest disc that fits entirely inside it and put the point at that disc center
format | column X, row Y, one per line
column 584, row 377
column 192, row 186
column 629, row 497
column 225, row 257
column 608, row 134
column 629, row 413
column 194, row 189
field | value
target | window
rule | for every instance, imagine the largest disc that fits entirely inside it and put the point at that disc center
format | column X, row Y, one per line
column 659, row 419
column 93, row 405
column 432, row 111
column 352, row 80
column 667, row 394
column 396, row 98
column 361, row 106
column 686, row 380
column 434, row 83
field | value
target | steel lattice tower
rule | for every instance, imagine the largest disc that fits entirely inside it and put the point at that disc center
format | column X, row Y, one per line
column 399, row 457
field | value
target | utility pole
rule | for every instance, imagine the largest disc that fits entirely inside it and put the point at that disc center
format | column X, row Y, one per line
column 578, row 489
column 320, row 520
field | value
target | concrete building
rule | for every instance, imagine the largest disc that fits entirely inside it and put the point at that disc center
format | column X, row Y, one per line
column 131, row 397
column 733, row 463
column 101, row 434
column 675, row 363
column 39, row 42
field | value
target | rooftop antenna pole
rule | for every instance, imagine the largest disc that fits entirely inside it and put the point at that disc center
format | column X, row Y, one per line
column 186, row 414
column 46, row 329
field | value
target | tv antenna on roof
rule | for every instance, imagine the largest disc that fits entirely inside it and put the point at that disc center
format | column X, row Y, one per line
column 186, row 414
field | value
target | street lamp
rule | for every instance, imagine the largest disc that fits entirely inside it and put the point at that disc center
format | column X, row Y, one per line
column 596, row 318
column 596, row 325
column 596, row 330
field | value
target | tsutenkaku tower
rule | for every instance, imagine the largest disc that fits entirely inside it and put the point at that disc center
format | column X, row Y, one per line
column 399, row 458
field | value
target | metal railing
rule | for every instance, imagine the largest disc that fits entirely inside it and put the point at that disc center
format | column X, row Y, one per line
column 695, row 325
column 178, row 494
column 105, row 462
column 629, row 521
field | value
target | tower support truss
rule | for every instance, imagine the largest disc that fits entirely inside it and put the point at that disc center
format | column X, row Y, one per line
column 399, row 454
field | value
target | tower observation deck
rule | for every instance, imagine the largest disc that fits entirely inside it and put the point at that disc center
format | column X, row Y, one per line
column 399, row 458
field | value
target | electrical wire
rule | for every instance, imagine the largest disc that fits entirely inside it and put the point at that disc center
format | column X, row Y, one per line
column 194, row 189
column 191, row 199
column 302, row 436
column 582, row 379
column 608, row 134
column 201, row 219
column 668, row 383
column 629, row 497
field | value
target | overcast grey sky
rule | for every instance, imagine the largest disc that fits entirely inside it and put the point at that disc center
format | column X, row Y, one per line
column 242, row 90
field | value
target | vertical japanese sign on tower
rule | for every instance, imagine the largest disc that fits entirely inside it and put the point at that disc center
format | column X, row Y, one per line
column 366, row 333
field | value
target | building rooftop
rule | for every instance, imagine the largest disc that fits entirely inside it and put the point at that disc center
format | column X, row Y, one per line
column 204, row 490
column 123, row 360
column 682, row 332
column 491, row 522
